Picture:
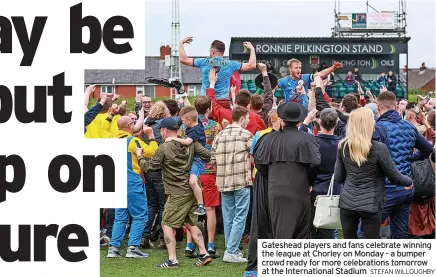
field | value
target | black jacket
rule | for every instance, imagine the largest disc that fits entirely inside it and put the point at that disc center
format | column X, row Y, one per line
column 364, row 186
column 394, row 81
column 328, row 147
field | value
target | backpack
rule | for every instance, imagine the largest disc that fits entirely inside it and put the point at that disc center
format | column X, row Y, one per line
column 423, row 175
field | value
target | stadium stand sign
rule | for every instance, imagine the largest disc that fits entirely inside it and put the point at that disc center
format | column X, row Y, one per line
column 369, row 55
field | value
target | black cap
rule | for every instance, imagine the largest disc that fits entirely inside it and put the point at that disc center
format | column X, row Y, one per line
column 170, row 123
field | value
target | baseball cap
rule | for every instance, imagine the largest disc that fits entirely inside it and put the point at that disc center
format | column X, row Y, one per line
column 373, row 107
column 170, row 123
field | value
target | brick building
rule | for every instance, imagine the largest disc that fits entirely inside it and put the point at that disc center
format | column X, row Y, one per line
column 128, row 83
column 424, row 80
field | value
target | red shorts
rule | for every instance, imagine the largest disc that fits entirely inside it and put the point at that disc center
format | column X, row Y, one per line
column 224, row 103
column 211, row 196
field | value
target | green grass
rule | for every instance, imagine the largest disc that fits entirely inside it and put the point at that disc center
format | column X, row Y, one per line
column 131, row 101
column 124, row 267
column 413, row 98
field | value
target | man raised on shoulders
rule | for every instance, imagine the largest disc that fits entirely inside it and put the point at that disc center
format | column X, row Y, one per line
column 224, row 68
column 295, row 84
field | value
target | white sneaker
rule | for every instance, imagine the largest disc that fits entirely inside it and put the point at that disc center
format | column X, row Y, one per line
column 239, row 253
column 233, row 258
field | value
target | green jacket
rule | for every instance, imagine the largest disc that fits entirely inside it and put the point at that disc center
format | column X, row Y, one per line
column 175, row 160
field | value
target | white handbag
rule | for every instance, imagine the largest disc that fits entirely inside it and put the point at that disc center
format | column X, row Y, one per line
column 327, row 213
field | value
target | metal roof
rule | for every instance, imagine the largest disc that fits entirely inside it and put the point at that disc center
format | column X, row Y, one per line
column 121, row 76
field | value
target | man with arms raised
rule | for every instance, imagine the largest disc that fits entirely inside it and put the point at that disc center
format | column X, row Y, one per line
column 224, row 68
column 295, row 84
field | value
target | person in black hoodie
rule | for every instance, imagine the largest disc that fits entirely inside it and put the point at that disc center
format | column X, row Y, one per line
column 362, row 165
column 328, row 147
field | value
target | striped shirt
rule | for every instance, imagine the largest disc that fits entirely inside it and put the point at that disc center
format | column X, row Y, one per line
column 231, row 154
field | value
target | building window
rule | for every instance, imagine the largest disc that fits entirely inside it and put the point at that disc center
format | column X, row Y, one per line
column 148, row 90
column 140, row 90
column 192, row 90
column 107, row 89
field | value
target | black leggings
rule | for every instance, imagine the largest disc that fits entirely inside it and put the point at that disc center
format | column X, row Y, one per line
column 371, row 224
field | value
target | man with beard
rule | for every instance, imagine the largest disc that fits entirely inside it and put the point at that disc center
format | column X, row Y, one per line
column 295, row 85
column 224, row 68
column 288, row 160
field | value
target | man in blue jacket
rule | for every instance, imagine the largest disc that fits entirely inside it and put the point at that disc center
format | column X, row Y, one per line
column 401, row 137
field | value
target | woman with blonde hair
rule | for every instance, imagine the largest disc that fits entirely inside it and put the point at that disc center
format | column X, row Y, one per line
column 158, row 112
column 362, row 166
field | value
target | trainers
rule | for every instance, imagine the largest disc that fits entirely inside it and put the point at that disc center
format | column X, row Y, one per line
column 168, row 264
column 233, row 258
column 212, row 252
column 190, row 253
column 145, row 243
column 135, row 252
column 203, row 260
column 239, row 253
column 104, row 241
column 200, row 210
column 113, row 252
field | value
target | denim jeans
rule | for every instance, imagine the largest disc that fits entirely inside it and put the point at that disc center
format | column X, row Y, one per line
column 155, row 201
column 397, row 208
column 235, row 206
column 137, row 208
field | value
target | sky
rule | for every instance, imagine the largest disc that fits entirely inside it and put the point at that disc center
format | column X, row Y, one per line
column 208, row 20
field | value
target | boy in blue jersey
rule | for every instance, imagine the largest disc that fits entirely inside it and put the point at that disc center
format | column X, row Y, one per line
column 295, row 85
column 224, row 68
column 194, row 132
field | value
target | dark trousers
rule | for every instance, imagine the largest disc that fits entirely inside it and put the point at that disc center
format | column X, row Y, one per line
column 110, row 217
column 101, row 217
column 155, row 200
column 370, row 223
column 250, row 213
column 397, row 208
column 316, row 233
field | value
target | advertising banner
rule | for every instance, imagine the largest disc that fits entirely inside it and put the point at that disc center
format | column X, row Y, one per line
column 343, row 48
column 382, row 20
column 366, row 63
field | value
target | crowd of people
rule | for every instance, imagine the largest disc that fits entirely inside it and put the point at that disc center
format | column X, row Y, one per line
column 265, row 163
